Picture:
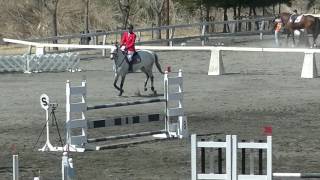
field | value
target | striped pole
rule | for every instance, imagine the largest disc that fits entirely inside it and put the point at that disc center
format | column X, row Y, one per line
column 119, row 104
column 125, row 136
column 301, row 175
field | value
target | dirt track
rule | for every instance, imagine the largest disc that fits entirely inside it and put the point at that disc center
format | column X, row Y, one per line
column 259, row 89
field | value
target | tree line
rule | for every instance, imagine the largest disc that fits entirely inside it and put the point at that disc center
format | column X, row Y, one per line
column 36, row 18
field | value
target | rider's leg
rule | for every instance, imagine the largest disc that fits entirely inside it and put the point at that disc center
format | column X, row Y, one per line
column 129, row 56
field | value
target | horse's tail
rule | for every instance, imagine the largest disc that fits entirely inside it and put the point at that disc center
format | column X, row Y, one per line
column 158, row 64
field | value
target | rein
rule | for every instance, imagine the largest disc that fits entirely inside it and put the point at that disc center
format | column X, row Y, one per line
column 123, row 60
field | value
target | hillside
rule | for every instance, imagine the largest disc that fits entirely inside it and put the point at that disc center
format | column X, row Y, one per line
column 43, row 18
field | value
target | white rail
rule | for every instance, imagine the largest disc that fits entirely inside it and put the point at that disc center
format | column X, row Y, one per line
column 309, row 69
column 172, row 48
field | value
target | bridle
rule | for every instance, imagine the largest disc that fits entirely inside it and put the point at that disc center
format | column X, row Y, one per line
column 115, row 57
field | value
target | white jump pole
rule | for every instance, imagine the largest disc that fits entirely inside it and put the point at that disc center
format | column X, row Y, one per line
column 15, row 167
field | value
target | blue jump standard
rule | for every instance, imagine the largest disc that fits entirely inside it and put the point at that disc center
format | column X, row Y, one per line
column 119, row 104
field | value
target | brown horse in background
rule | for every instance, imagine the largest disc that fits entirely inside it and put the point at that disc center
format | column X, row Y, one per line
column 310, row 25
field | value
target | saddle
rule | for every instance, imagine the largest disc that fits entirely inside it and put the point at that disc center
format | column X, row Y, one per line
column 295, row 18
column 135, row 59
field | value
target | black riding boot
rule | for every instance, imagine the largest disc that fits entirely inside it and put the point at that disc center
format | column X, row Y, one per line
column 130, row 67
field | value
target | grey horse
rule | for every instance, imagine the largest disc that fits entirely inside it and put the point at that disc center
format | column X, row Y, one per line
column 145, row 62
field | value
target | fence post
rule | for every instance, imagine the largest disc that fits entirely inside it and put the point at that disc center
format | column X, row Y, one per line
column 104, row 51
column 203, row 31
column 243, row 160
column 216, row 64
column 309, row 67
column 172, row 30
column 211, row 159
column 251, row 160
column 260, row 155
column 139, row 36
column 193, row 157
column 203, row 159
column 152, row 30
column 219, row 159
column 15, row 167
column 269, row 158
column 261, row 29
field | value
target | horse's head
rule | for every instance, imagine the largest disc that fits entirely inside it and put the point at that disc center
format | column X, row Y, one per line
column 114, row 52
column 284, row 17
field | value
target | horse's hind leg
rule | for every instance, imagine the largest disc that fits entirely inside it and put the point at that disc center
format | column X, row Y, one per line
column 152, row 86
column 146, row 81
column 315, row 36
column 150, row 74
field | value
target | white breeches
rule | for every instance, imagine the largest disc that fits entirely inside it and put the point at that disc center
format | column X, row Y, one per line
column 129, row 55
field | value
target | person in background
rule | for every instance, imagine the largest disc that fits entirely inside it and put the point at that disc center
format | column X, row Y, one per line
column 128, row 44
column 277, row 31
column 294, row 15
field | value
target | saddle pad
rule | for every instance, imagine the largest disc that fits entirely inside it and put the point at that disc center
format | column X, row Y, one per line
column 298, row 19
column 136, row 58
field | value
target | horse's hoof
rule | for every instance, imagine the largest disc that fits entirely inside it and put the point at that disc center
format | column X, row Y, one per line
column 120, row 93
column 152, row 89
column 145, row 89
column 155, row 93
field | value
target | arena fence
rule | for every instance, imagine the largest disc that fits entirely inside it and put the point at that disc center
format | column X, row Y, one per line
column 40, row 63
column 216, row 67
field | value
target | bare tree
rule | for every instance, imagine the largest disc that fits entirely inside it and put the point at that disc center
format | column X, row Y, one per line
column 157, row 7
column 124, row 6
column 86, row 14
column 51, row 7
column 86, row 40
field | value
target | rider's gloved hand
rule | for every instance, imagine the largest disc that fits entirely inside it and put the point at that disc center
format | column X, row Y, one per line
column 123, row 48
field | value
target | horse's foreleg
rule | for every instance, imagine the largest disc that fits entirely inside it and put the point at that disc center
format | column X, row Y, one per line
column 145, row 83
column 121, row 85
column 287, row 40
column 115, row 82
column 293, row 40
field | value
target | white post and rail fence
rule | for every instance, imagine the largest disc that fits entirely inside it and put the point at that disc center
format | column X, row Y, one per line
column 216, row 67
column 177, row 33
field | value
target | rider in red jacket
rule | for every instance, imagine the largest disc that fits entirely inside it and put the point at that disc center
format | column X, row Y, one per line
column 128, row 44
